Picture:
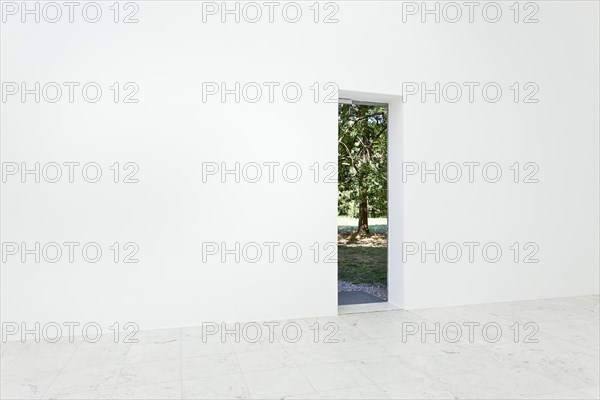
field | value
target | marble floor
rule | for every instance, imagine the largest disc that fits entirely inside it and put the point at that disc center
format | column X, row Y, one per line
column 538, row 349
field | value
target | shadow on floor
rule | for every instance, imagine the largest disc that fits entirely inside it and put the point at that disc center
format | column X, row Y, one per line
column 346, row 298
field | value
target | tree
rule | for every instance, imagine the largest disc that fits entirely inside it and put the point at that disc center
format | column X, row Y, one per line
column 362, row 162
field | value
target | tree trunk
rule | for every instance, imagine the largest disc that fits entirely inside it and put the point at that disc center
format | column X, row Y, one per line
column 363, row 218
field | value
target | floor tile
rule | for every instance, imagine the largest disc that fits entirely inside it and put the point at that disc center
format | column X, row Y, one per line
column 395, row 346
column 569, row 395
column 159, row 350
column 89, row 382
column 278, row 383
column 421, row 388
column 465, row 361
column 150, row 372
column 387, row 369
column 30, row 374
column 216, row 387
column 264, row 359
column 370, row 359
column 210, row 365
column 30, row 387
column 326, row 377
column 12, row 348
column 315, row 354
column 564, row 362
column 591, row 391
column 153, row 391
column 340, row 394
column 158, row 336
column 105, row 353
column 493, row 383
column 195, row 343
column 361, row 350
column 379, row 329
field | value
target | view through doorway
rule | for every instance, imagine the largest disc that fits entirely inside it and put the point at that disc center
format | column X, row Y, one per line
column 362, row 202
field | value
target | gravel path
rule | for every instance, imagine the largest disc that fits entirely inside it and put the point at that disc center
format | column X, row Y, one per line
column 376, row 289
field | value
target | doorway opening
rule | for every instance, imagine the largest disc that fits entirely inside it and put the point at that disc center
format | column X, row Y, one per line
column 362, row 202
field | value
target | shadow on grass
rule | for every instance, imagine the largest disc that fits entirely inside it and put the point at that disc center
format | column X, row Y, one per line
column 362, row 259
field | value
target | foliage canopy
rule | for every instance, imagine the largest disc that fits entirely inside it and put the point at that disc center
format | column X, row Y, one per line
column 362, row 159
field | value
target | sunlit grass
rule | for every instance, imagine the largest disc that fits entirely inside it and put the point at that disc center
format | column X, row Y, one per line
column 349, row 224
column 362, row 259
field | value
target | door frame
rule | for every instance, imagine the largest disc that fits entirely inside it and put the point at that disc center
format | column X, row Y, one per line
column 395, row 193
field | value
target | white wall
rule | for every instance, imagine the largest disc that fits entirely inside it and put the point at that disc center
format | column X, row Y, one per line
column 170, row 132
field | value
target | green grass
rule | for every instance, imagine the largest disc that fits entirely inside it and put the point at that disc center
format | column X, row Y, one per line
column 362, row 259
column 360, row 264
